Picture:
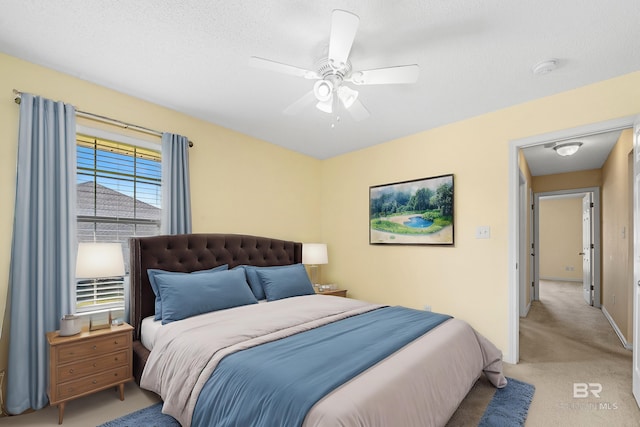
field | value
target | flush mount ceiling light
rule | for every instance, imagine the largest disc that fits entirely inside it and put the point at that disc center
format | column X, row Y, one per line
column 568, row 148
column 545, row 67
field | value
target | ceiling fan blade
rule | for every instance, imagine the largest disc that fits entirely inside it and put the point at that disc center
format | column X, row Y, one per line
column 344, row 26
column 279, row 67
column 358, row 111
column 299, row 105
column 389, row 75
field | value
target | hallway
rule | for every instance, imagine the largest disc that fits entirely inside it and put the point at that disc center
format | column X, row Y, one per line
column 564, row 342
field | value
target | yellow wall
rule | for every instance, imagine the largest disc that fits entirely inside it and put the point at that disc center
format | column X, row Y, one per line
column 567, row 181
column 239, row 184
column 230, row 173
column 469, row 280
column 560, row 231
column 617, row 266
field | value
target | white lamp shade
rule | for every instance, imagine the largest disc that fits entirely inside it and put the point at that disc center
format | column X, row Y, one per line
column 314, row 253
column 96, row 260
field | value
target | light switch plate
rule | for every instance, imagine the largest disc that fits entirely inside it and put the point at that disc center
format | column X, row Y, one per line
column 483, row 232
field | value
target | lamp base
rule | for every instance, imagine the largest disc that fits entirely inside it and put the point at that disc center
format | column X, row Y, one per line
column 313, row 273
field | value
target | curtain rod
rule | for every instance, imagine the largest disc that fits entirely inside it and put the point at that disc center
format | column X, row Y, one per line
column 103, row 119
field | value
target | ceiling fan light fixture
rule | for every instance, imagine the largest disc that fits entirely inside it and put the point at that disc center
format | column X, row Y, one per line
column 323, row 90
column 568, row 148
column 347, row 96
column 325, row 106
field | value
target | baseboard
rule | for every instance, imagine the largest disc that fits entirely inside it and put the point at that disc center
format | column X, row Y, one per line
column 560, row 279
column 621, row 337
column 526, row 310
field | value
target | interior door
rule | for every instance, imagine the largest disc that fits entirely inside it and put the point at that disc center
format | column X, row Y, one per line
column 587, row 250
column 636, row 261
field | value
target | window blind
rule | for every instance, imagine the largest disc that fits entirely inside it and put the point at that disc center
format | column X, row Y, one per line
column 119, row 195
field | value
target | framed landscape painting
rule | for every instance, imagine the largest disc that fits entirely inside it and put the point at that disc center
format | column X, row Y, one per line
column 417, row 212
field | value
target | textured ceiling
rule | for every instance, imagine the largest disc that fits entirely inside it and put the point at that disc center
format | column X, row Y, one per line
column 192, row 56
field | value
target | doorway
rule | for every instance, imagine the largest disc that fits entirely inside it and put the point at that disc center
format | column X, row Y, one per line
column 573, row 248
column 512, row 354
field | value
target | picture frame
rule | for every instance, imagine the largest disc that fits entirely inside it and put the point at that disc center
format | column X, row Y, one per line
column 100, row 320
column 415, row 212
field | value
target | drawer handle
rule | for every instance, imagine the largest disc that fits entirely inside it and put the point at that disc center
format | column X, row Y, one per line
column 116, row 358
column 94, row 347
column 94, row 365
column 115, row 342
column 115, row 375
column 71, row 371
column 95, row 382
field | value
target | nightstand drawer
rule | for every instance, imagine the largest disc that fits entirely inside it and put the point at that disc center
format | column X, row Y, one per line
column 94, row 382
column 77, row 370
column 89, row 348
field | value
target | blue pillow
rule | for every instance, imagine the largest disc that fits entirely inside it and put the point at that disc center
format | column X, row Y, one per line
column 195, row 294
column 254, row 280
column 152, row 279
column 289, row 281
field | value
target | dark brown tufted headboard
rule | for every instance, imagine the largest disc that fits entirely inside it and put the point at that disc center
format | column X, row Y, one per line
column 192, row 252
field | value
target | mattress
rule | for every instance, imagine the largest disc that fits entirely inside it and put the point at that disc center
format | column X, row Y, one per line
column 149, row 331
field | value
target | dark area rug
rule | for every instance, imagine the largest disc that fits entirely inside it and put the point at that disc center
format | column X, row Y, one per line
column 151, row 416
column 509, row 406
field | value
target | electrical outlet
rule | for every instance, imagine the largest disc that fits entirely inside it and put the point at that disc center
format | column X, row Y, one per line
column 483, row 232
column 427, row 307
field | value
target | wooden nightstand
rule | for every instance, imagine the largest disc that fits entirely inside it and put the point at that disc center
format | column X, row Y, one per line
column 88, row 362
column 335, row 292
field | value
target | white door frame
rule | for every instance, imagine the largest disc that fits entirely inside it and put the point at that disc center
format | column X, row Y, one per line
column 595, row 191
column 524, row 245
column 513, row 352
column 635, row 370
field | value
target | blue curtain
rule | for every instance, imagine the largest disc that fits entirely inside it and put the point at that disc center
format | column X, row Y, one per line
column 44, row 245
column 176, row 193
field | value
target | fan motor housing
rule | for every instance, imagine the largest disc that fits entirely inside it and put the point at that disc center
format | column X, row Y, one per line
column 326, row 70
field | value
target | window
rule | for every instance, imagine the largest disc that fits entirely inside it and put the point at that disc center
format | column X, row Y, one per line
column 119, row 195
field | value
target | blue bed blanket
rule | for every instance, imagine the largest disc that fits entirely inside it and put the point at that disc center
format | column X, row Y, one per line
column 277, row 383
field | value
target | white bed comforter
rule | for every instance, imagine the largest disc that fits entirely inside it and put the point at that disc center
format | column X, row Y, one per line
column 420, row 385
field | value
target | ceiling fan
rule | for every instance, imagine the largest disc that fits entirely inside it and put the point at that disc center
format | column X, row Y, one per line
column 335, row 70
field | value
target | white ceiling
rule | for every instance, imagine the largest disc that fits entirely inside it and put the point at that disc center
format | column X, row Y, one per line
column 474, row 57
column 543, row 160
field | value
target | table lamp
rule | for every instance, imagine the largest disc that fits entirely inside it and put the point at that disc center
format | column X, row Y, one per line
column 314, row 254
column 98, row 261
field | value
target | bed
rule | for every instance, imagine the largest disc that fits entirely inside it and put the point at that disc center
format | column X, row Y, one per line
column 201, row 364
